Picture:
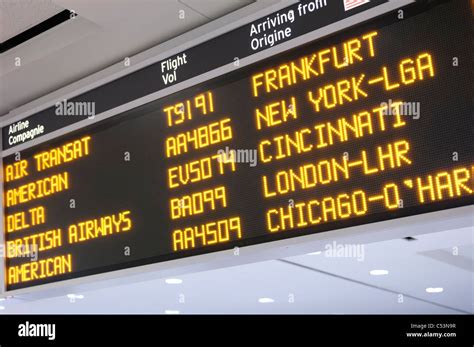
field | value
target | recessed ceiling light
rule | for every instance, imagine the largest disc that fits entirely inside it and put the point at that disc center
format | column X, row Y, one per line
column 173, row 281
column 171, row 311
column 265, row 300
column 434, row 290
column 378, row 272
column 3, row 299
column 314, row 253
column 2, row 308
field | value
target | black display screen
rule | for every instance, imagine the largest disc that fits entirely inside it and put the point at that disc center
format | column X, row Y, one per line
column 370, row 124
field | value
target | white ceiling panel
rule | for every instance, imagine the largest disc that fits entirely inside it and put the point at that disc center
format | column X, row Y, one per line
column 17, row 16
column 213, row 8
column 307, row 284
column 410, row 271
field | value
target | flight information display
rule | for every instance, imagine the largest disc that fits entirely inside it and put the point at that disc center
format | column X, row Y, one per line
column 369, row 124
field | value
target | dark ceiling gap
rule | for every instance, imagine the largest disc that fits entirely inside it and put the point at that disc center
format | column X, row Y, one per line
column 36, row 30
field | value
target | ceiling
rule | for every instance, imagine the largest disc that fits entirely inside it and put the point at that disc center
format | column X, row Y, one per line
column 18, row 16
column 103, row 33
column 310, row 283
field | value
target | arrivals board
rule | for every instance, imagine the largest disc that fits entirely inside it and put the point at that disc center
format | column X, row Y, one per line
column 370, row 124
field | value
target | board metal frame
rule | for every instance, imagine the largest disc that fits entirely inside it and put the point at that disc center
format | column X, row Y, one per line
column 454, row 218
